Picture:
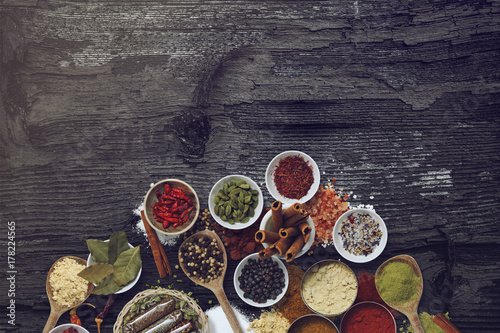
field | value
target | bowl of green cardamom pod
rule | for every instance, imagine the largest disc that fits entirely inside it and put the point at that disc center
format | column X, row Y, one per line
column 235, row 202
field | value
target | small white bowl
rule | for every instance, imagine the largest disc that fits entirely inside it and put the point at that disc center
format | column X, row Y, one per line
column 128, row 286
column 63, row 327
column 337, row 239
column 267, row 224
column 240, row 292
column 271, row 187
column 219, row 185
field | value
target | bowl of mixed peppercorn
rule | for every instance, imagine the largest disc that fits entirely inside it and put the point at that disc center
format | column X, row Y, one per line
column 260, row 283
column 171, row 206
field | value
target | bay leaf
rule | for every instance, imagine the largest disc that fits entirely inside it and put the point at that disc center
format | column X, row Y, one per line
column 96, row 272
column 98, row 250
column 106, row 286
column 127, row 266
column 118, row 243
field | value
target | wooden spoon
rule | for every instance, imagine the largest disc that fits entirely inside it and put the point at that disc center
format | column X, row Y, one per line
column 56, row 309
column 215, row 285
column 410, row 308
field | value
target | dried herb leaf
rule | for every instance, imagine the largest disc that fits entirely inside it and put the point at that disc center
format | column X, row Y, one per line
column 98, row 250
column 118, row 243
column 96, row 272
column 127, row 266
column 106, row 286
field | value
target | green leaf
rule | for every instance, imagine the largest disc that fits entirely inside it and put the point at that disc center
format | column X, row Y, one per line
column 96, row 272
column 117, row 244
column 127, row 266
column 98, row 250
column 106, row 286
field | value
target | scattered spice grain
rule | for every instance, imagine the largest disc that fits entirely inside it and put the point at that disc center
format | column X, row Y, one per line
column 292, row 306
column 325, row 207
column 270, row 322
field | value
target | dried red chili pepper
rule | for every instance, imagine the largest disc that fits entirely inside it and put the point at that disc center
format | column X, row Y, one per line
column 172, row 208
column 74, row 317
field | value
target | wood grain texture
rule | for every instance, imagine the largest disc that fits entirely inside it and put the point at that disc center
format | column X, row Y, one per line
column 398, row 100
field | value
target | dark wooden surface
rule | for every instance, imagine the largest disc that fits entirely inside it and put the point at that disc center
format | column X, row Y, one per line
column 398, row 100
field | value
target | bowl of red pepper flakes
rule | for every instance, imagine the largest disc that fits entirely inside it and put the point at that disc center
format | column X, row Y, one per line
column 292, row 176
column 171, row 206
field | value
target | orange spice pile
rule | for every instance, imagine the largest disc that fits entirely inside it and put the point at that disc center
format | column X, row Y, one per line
column 325, row 208
column 292, row 306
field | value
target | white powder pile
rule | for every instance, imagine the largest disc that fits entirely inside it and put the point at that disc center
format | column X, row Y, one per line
column 218, row 322
column 139, row 228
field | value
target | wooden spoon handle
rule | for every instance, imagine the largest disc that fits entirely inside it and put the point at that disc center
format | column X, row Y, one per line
column 52, row 321
column 415, row 322
column 228, row 310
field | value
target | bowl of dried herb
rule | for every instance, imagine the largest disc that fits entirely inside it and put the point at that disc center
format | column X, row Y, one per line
column 113, row 266
column 292, row 176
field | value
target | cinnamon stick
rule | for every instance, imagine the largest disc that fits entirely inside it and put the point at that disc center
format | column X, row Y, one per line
column 159, row 255
column 444, row 323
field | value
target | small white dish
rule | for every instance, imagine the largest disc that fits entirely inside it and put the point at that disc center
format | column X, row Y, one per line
column 240, row 292
column 267, row 224
column 64, row 327
column 271, row 187
column 337, row 239
column 128, row 286
column 219, row 185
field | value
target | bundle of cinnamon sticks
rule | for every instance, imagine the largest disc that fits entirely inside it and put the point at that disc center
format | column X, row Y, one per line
column 160, row 257
column 290, row 231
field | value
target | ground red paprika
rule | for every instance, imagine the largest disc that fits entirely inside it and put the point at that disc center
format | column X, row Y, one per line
column 367, row 291
column 368, row 317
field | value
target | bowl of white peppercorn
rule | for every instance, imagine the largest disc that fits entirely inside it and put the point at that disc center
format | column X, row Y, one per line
column 261, row 283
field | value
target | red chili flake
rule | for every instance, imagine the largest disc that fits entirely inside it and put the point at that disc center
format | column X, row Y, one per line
column 293, row 177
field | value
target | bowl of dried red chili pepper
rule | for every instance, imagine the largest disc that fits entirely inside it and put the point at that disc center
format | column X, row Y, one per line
column 292, row 176
column 171, row 206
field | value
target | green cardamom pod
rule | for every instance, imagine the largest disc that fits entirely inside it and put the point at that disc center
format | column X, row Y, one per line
column 248, row 198
column 245, row 219
column 244, row 186
column 228, row 210
column 223, row 218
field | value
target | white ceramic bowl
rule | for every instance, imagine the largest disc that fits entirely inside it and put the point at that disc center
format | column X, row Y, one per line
column 337, row 239
column 267, row 224
column 151, row 199
column 219, row 185
column 128, row 286
column 271, row 187
column 63, row 327
column 240, row 292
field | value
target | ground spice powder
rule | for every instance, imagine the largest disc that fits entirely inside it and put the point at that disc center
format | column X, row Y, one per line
column 427, row 324
column 292, row 306
column 397, row 283
column 367, row 291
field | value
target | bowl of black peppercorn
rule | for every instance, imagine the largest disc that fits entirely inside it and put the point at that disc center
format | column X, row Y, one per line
column 260, row 283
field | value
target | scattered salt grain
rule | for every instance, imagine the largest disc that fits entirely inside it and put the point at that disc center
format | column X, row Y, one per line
column 218, row 322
